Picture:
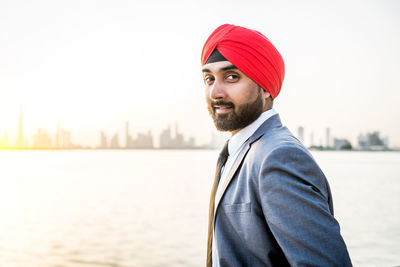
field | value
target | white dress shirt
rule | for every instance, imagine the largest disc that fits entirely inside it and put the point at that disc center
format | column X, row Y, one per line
column 235, row 145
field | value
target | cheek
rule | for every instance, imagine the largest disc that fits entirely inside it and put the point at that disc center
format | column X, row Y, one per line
column 242, row 95
column 207, row 96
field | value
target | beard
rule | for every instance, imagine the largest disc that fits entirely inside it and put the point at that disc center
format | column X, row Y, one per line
column 239, row 117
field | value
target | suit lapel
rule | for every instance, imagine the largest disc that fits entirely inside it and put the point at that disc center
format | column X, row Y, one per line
column 233, row 170
column 270, row 123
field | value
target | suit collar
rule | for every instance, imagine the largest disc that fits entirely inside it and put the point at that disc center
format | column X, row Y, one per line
column 271, row 123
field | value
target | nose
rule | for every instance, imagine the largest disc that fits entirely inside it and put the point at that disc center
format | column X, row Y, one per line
column 217, row 90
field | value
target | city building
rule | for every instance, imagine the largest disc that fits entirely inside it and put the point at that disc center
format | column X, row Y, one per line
column 312, row 139
column 143, row 141
column 372, row 141
column 63, row 139
column 300, row 134
column 128, row 137
column 114, row 143
column 166, row 140
column 103, row 140
column 20, row 142
column 41, row 139
column 176, row 142
column 328, row 137
column 341, row 144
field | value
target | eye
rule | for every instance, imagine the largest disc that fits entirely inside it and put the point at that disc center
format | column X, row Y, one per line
column 232, row 77
column 208, row 79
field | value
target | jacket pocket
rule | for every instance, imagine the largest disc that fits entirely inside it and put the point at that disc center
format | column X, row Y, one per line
column 237, row 208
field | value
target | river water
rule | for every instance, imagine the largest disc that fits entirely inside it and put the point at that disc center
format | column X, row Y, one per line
column 149, row 207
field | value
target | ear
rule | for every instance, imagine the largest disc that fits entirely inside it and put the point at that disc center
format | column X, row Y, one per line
column 265, row 94
column 267, row 103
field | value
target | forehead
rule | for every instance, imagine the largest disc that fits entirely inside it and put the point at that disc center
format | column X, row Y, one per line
column 216, row 67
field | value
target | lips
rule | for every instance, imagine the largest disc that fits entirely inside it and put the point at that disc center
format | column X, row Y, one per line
column 222, row 107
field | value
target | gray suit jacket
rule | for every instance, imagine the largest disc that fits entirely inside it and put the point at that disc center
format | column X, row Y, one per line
column 276, row 206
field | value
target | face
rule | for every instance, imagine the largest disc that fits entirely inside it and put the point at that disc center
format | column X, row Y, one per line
column 234, row 100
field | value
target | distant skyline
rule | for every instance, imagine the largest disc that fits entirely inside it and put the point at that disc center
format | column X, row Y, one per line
column 92, row 65
column 171, row 138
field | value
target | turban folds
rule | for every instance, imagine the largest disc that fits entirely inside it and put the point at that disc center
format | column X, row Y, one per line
column 251, row 52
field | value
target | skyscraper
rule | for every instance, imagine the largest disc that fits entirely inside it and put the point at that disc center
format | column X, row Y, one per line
column 41, row 139
column 328, row 137
column 128, row 137
column 143, row 141
column 166, row 138
column 300, row 134
column 114, row 143
column 58, row 135
column 312, row 139
column 65, row 140
column 103, row 140
column 20, row 138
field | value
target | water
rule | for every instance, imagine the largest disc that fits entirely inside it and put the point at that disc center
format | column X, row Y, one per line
column 149, row 208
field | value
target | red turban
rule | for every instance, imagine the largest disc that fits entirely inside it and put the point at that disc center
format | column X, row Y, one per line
column 251, row 52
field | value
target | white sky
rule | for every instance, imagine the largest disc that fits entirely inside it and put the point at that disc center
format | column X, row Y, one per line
column 92, row 65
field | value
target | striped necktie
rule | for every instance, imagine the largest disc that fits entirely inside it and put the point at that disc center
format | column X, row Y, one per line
column 223, row 156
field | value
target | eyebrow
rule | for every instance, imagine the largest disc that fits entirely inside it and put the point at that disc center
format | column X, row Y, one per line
column 230, row 67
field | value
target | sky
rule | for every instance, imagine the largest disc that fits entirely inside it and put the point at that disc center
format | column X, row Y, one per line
column 93, row 65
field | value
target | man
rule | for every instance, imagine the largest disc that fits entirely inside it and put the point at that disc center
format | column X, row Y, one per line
column 270, row 204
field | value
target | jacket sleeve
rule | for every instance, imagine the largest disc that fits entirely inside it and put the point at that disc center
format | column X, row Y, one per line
column 295, row 199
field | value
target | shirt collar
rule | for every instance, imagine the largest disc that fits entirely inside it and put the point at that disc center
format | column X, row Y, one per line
column 236, row 141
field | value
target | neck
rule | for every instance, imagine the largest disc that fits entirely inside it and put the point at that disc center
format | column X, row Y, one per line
column 235, row 132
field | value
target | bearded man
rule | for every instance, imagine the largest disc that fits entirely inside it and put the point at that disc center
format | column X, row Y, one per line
column 270, row 203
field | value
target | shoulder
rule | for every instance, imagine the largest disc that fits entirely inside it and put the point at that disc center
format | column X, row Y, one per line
column 281, row 160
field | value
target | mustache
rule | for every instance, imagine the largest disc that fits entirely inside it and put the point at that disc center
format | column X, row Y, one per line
column 222, row 103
